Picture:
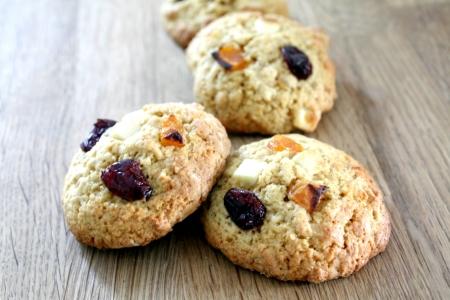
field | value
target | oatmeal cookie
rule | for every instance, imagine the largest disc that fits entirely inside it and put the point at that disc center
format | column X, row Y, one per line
column 133, row 180
column 294, row 208
column 263, row 73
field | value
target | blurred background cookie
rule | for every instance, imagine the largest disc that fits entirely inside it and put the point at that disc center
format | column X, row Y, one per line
column 184, row 18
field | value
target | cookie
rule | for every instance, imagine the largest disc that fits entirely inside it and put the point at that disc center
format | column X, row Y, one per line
column 133, row 180
column 184, row 18
column 263, row 73
column 294, row 208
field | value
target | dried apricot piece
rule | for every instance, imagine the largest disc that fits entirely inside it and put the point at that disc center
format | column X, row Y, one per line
column 280, row 143
column 230, row 57
column 172, row 138
column 306, row 195
column 172, row 122
column 171, row 132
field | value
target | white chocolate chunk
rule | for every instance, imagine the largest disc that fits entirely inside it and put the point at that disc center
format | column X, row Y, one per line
column 128, row 126
column 306, row 119
column 249, row 170
column 308, row 162
column 133, row 139
column 264, row 26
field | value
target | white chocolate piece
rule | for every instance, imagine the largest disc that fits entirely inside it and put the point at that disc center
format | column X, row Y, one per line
column 124, row 130
column 249, row 171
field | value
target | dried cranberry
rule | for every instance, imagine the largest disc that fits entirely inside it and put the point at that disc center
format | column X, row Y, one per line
column 297, row 61
column 126, row 180
column 99, row 129
column 245, row 209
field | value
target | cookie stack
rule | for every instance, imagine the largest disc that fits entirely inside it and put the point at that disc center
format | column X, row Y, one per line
column 289, row 206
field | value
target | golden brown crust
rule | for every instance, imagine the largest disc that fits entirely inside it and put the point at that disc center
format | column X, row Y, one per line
column 181, row 177
column 350, row 225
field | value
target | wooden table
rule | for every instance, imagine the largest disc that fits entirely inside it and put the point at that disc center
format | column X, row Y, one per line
column 65, row 63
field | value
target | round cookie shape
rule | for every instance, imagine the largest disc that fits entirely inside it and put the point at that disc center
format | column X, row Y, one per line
column 324, row 215
column 284, row 81
column 146, row 173
column 183, row 19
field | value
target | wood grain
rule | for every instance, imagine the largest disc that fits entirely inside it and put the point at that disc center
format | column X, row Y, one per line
column 65, row 63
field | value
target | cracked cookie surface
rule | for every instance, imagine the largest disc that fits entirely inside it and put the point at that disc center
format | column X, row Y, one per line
column 183, row 19
column 337, row 237
column 180, row 175
column 264, row 95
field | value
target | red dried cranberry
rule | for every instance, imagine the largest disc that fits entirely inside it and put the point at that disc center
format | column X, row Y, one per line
column 297, row 61
column 245, row 209
column 99, row 129
column 126, row 180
